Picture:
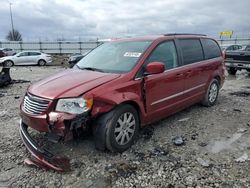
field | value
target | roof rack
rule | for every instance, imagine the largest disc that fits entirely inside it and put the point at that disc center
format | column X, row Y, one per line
column 169, row 34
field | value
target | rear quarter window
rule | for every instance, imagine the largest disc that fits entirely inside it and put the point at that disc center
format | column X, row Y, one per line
column 191, row 50
column 211, row 48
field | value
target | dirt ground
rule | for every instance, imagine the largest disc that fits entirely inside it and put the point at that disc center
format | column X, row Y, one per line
column 215, row 153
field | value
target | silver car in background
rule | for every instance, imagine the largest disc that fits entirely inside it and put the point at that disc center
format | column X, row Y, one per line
column 26, row 58
column 8, row 51
column 231, row 47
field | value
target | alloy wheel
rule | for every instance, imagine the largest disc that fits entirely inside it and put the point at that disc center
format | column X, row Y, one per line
column 125, row 128
column 213, row 92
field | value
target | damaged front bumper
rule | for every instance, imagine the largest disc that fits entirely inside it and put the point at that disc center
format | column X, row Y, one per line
column 42, row 157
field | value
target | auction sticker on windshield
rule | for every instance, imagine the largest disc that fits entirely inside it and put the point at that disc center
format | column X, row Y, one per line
column 132, row 54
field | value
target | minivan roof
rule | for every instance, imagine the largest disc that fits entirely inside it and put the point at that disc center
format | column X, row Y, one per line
column 154, row 37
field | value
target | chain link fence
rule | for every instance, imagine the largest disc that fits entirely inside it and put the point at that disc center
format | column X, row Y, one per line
column 58, row 47
column 240, row 41
column 69, row 47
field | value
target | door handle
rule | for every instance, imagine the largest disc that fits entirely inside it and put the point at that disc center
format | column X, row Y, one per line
column 179, row 75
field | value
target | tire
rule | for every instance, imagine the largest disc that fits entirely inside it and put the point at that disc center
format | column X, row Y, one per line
column 118, row 129
column 8, row 63
column 248, row 70
column 41, row 62
column 232, row 71
column 211, row 94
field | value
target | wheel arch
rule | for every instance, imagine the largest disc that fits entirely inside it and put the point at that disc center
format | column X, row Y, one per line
column 41, row 59
column 134, row 105
column 217, row 77
column 108, row 102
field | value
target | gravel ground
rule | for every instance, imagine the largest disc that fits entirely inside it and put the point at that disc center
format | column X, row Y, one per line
column 215, row 153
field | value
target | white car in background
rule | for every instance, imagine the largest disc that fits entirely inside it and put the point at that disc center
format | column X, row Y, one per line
column 26, row 58
column 8, row 51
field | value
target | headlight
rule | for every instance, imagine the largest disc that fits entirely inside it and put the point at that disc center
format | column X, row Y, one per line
column 74, row 105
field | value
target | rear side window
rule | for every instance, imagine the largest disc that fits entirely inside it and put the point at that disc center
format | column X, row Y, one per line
column 23, row 54
column 191, row 50
column 211, row 48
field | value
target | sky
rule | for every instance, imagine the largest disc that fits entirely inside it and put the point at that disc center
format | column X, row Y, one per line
column 90, row 19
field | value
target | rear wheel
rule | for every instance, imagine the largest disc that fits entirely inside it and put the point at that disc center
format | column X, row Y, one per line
column 232, row 71
column 248, row 70
column 121, row 127
column 41, row 62
column 211, row 94
column 8, row 63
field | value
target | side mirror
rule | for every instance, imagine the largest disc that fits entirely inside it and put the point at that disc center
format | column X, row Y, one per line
column 155, row 68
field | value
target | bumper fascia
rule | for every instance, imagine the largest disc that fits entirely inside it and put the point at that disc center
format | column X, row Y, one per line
column 48, row 122
column 237, row 64
column 42, row 157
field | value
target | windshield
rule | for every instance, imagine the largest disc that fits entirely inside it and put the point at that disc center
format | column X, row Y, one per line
column 115, row 57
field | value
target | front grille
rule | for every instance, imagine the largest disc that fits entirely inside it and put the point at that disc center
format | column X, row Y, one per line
column 35, row 105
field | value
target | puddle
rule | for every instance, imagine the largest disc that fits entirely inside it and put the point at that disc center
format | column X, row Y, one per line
column 225, row 144
column 241, row 93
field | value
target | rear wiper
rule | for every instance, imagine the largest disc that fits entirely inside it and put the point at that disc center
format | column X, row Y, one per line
column 91, row 68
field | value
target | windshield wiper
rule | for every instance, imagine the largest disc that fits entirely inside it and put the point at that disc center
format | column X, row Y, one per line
column 90, row 68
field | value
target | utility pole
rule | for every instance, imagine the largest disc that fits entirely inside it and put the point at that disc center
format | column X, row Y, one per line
column 11, row 19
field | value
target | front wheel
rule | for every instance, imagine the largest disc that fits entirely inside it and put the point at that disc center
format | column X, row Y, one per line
column 8, row 63
column 121, row 128
column 211, row 94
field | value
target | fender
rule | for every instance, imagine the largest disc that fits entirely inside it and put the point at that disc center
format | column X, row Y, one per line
column 107, row 102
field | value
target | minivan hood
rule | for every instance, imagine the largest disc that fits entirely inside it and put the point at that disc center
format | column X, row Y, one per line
column 70, row 83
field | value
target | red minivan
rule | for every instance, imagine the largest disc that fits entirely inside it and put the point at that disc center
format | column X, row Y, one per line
column 121, row 86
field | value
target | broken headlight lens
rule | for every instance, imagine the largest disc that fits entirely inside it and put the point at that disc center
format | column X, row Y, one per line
column 74, row 105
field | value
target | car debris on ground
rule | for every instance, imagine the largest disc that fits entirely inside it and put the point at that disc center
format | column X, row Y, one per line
column 5, row 78
column 178, row 141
